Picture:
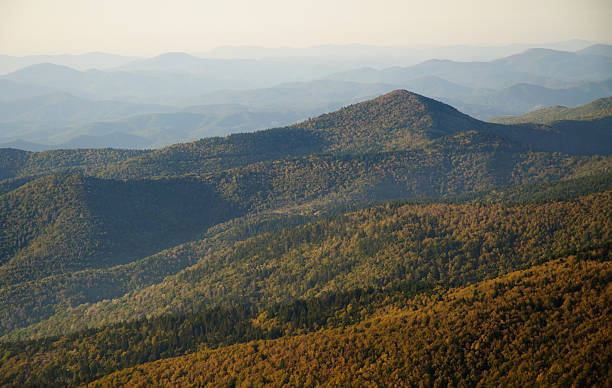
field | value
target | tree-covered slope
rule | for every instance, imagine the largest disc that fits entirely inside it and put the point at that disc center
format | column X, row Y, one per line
column 597, row 109
column 547, row 325
column 17, row 163
column 119, row 222
column 378, row 247
column 29, row 302
column 63, row 223
column 88, row 354
column 395, row 121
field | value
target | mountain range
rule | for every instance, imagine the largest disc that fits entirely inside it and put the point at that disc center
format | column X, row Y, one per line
column 349, row 233
column 146, row 103
column 93, row 60
column 353, row 54
column 395, row 146
column 541, row 66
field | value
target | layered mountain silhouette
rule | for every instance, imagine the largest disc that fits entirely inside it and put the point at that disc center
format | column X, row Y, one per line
column 267, row 92
column 539, row 66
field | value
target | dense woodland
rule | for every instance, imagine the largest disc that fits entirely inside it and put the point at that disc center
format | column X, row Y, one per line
column 35, row 300
column 376, row 247
column 544, row 326
column 393, row 242
column 87, row 354
column 153, row 215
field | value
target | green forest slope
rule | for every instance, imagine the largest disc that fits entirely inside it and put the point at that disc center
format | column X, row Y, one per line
column 377, row 247
column 548, row 325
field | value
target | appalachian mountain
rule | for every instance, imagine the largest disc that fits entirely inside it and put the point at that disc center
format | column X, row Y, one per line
column 274, row 92
column 396, row 121
column 396, row 146
column 398, row 206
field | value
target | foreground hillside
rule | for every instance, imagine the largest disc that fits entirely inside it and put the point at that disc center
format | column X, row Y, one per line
column 547, row 325
column 88, row 354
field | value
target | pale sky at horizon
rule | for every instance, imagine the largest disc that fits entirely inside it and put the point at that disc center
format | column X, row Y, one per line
column 148, row 27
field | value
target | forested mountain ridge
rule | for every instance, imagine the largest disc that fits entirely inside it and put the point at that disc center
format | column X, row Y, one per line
column 597, row 109
column 377, row 247
column 542, row 326
column 399, row 120
column 394, row 121
column 112, row 258
column 63, row 223
column 453, row 164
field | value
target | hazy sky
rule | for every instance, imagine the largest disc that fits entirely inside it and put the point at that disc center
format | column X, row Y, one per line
column 147, row 27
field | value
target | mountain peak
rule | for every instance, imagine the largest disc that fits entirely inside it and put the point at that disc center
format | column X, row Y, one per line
column 398, row 93
column 44, row 68
column 175, row 55
column 395, row 120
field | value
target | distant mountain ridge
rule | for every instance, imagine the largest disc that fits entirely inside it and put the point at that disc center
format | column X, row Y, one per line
column 598, row 49
column 276, row 92
column 65, row 108
column 597, row 109
column 85, row 61
column 541, row 66
column 525, row 97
